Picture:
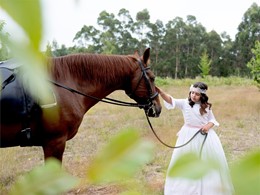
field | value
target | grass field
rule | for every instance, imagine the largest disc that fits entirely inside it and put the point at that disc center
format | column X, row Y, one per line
column 236, row 107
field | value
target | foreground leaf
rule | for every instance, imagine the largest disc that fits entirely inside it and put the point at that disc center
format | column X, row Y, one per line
column 191, row 166
column 46, row 180
column 246, row 174
column 27, row 14
column 121, row 158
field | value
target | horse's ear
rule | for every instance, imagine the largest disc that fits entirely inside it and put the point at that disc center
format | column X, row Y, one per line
column 146, row 56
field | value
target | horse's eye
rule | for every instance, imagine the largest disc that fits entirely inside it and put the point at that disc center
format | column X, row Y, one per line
column 152, row 79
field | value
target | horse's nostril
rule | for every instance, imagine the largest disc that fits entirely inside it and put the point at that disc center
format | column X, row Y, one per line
column 153, row 111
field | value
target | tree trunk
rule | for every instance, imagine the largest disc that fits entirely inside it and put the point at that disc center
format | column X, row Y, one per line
column 177, row 62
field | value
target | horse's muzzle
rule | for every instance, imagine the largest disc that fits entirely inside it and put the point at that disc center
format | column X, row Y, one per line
column 154, row 110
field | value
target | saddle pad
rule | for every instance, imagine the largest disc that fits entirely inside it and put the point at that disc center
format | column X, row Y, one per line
column 15, row 102
column 10, row 64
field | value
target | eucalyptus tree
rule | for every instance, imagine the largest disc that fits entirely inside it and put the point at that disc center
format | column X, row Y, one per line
column 88, row 37
column 194, row 45
column 110, row 32
column 227, row 57
column 214, row 47
column 141, row 27
column 168, row 52
column 57, row 50
column 248, row 34
column 155, row 37
column 174, row 39
column 48, row 51
column 126, row 42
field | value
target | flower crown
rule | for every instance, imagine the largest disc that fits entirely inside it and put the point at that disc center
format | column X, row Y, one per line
column 197, row 89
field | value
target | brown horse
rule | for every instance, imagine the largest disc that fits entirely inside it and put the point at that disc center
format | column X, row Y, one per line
column 80, row 81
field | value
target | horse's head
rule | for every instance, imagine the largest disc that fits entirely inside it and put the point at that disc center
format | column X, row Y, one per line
column 142, row 88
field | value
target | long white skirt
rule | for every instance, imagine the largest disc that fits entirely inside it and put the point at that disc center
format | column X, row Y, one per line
column 216, row 182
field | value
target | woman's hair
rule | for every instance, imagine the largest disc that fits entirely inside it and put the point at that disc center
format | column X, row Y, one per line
column 203, row 98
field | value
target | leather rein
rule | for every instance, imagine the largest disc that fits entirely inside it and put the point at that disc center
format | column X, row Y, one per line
column 180, row 146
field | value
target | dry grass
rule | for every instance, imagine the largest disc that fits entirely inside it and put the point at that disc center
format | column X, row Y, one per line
column 237, row 108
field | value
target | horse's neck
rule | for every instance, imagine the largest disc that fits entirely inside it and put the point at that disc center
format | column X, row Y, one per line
column 95, row 78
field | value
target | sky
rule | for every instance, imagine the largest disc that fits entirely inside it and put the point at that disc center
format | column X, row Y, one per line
column 62, row 19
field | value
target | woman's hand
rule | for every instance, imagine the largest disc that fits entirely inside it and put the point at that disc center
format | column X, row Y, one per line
column 158, row 89
column 164, row 95
column 207, row 127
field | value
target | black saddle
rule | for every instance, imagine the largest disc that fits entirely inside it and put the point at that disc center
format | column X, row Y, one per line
column 17, row 105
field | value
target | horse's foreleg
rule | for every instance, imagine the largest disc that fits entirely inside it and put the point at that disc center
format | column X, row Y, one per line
column 54, row 148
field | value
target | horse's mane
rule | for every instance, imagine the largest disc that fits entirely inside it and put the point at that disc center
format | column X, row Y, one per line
column 93, row 67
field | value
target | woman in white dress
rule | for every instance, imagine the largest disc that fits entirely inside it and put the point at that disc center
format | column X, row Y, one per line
column 197, row 115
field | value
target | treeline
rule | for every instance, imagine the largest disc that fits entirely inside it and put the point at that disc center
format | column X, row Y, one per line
column 176, row 47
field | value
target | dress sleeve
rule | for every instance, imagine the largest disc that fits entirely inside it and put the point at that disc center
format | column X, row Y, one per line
column 176, row 103
column 212, row 118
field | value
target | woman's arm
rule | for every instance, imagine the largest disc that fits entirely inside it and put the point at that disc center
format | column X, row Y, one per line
column 164, row 95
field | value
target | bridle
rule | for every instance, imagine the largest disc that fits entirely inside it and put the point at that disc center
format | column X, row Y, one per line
column 151, row 95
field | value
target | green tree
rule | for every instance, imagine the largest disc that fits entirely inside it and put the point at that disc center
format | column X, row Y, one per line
column 226, row 59
column 248, row 34
column 180, row 27
column 109, row 36
column 254, row 63
column 88, row 37
column 141, row 28
column 205, row 64
column 48, row 51
column 182, row 45
column 57, row 50
column 173, row 44
column 213, row 44
column 195, row 37
column 155, row 36
column 126, row 42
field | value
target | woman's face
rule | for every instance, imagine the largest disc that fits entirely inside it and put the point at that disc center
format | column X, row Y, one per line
column 195, row 96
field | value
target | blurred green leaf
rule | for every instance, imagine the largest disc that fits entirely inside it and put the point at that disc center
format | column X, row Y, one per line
column 27, row 14
column 190, row 166
column 121, row 158
column 34, row 75
column 246, row 174
column 46, row 180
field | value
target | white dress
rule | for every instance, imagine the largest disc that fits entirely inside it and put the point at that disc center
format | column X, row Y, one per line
column 214, row 183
